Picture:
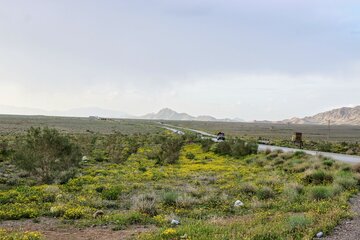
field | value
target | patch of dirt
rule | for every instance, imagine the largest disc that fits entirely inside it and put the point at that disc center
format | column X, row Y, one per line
column 349, row 229
column 53, row 229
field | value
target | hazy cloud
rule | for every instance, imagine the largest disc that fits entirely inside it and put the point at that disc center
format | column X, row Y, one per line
column 247, row 59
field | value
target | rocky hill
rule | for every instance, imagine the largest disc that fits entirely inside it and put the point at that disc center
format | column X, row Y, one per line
column 345, row 115
column 169, row 114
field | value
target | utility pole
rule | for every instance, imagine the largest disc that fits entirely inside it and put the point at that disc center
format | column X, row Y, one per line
column 329, row 130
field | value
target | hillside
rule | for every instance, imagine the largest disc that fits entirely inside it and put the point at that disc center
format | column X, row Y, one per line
column 340, row 116
column 169, row 114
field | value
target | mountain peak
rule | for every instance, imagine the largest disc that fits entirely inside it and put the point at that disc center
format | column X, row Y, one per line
column 169, row 114
column 339, row 116
column 166, row 110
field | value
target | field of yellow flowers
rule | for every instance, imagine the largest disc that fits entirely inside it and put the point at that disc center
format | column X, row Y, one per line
column 282, row 195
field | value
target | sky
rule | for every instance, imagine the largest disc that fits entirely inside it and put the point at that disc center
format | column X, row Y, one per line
column 256, row 59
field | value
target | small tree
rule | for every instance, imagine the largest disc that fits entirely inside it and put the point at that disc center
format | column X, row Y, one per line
column 170, row 151
column 46, row 154
column 223, row 148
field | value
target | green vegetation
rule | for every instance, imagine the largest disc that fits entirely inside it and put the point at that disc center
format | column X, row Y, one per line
column 47, row 154
column 343, row 139
column 152, row 179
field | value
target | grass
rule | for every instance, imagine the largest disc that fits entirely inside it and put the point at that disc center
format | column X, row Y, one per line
column 285, row 196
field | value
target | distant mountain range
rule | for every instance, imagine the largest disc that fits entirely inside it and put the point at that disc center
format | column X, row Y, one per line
column 169, row 114
column 345, row 115
column 339, row 116
column 163, row 114
column 75, row 112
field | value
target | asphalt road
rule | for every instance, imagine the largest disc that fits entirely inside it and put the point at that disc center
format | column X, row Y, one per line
column 262, row 147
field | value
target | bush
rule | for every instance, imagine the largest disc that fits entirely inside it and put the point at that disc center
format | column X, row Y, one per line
column 190, row 156
column 299, row 154
column 169, row 151
column 145, row 204
column 236, row 148
column 265, row 193
column 206, row 144
column 46, row 153
column 4, row 150
column 170, row 198
column 186, row 201
column 241, row 148
column 74, row 213
column 223, row 148
column 298, row 222
column 248, row 189
column 119, row 147
column 111, row 193
column 347, row 182
column 318, row 177
column 320, row 192
column 57, row 211
column 328, row 162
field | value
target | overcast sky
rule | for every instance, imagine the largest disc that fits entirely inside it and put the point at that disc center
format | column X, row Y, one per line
column 269, row 59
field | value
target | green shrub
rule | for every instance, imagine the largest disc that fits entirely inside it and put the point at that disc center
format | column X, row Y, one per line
column 100, row 189
column 170, row 198
column 321, row 192
column 5, row 150
column 18, row 211
column 299, row 154
column 119, row 147
column 74, row 213
column 169, row 151
column 328, row 162
column 57, row 211
column 111, row 193
column 142, row 169
column 240, row 148
column 236, row 148
column 46, row 153
column 248, row 188
column 265, row 193
column 298, row 222
column 206, row 144
column 347, row 182
column 190, row 156
column 223, row 148
column 318, row 177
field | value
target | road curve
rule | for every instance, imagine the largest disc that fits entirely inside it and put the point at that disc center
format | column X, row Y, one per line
column 262, row 147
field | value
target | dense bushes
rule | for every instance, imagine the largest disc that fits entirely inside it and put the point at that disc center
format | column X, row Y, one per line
column 236, row 148
column 46, row 154
column 318, row 177
column 4, row 150
column 169, row 151
column 206, row 144
column 120, row 147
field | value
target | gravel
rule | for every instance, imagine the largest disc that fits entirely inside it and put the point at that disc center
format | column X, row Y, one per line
column 349, row 229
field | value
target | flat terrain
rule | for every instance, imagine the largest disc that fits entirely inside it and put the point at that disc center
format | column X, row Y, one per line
column 275, row 131
column 19, row 124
